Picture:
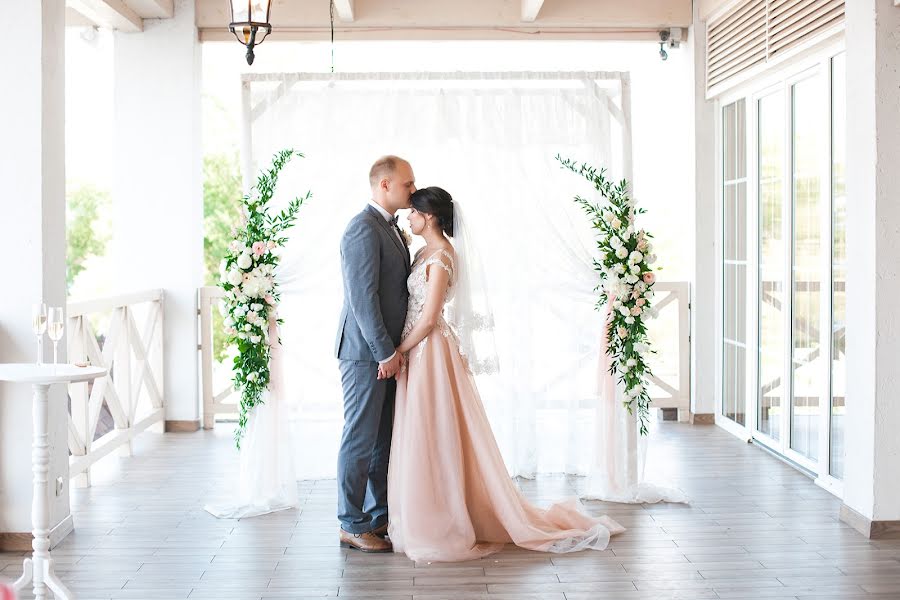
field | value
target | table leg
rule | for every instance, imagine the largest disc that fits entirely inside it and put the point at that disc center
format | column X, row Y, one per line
column 44, row 580
column 56, row 586
column 27, row 573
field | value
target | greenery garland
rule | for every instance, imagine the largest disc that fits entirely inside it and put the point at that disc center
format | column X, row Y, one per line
column 626, row 279
column 251, row 291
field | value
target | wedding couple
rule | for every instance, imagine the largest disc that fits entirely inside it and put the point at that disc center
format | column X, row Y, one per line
column 419, row 470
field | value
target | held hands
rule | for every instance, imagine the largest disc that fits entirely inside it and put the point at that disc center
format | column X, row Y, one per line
column 392, row 367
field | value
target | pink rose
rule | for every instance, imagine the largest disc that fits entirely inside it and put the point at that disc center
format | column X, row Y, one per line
column 270, row 245
column 649, row 278
column 635, row 311
column 641, row 301
column 622, row 332
column 270, row 299
column 642, row 245
column 259, row 248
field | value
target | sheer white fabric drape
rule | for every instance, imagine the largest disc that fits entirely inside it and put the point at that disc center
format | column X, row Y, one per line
column 489, row 141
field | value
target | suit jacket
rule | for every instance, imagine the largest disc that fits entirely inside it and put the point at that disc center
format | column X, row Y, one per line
column 375, row 265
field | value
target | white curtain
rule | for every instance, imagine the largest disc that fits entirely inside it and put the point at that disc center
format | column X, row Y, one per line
column 490, row 140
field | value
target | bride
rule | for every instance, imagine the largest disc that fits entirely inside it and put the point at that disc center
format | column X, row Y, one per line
column 449, row 493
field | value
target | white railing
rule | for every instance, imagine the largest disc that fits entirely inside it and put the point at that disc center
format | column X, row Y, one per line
column 132, row 392
column 670, row 333
column 215, row 391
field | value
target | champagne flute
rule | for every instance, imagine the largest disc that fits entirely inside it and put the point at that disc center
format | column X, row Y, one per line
column 39, row 326
column 55, row 328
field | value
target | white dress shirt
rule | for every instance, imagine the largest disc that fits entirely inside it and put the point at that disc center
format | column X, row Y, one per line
column 387, row 217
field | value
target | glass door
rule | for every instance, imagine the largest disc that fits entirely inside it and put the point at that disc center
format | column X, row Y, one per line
column 799, row 128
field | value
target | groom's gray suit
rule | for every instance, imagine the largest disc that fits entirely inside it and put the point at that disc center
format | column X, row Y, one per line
column 375, row 265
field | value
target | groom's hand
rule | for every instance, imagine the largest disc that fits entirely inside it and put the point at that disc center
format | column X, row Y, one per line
column 390, row 368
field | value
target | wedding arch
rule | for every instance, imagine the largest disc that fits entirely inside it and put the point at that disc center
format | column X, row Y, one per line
column 489, row 138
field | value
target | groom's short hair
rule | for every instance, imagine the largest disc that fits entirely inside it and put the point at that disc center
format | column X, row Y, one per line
column 383, row 167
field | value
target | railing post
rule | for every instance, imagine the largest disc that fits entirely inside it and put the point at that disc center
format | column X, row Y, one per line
column 122, row 374
column 206, row 358
column 80, row 411
column 155, row 349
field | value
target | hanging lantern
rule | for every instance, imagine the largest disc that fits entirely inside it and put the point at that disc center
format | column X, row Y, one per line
column 250, row 23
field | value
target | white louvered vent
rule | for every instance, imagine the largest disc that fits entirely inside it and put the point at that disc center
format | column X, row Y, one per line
column 757, row 31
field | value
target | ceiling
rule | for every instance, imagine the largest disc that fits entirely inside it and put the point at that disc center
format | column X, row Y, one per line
column 414, row 19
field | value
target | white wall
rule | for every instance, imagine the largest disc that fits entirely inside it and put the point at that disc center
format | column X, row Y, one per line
column 872, row 484
column 32, row 238
column 157, row 189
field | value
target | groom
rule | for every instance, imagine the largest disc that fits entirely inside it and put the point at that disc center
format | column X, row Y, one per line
column 375, row 264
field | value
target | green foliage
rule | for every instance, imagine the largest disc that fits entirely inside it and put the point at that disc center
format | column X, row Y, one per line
column 251, row 292
column 626, row 283
column 84, row 206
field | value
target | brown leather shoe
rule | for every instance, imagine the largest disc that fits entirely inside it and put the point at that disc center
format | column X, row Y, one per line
column 366, row 542
column 381, row 531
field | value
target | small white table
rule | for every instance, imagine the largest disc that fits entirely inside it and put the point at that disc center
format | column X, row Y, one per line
column 39, row 568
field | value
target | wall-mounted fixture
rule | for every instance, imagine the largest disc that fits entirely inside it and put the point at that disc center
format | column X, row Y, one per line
column 669, row 37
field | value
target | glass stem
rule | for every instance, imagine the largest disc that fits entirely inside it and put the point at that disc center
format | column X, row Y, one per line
column 55, row 344
column 40, row 341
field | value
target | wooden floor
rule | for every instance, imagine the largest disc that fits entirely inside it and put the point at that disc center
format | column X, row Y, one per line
column 756, row 528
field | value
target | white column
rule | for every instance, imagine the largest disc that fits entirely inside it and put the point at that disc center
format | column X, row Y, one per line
column 872, row 462
column 705, row 309
column 157, row 187
column 33, row 240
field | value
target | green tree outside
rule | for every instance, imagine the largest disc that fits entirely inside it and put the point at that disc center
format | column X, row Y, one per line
column 221, row 212
column 84, row 206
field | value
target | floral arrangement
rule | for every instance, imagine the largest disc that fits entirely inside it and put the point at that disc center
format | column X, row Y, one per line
column 626, row 283
column 251, row 291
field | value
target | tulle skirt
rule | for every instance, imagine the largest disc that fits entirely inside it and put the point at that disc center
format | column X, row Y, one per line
column 449, row 494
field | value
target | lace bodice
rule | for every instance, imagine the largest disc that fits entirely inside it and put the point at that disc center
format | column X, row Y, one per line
column 417, row 284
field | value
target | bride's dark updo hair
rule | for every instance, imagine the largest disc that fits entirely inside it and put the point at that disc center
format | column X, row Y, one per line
column 435, row 201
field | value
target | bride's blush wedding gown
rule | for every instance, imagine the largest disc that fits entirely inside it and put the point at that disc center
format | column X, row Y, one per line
column 449, row 494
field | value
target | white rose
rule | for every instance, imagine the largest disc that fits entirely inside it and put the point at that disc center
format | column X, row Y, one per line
column 631, row 362
column 608, row 216
column 641, row 347
column 242, row 335
column 629, row 320
column 624, row 310
column 253, row 376
column 620, row 269
column 235, row 277
column 256, row 306
column 228, row 322
column 621, row 252
column 615, row 242
column 616, row 224
column 636, row 257
column 635, row 269
column 651, row 259
column 244, row 261
column 255, row 339
column 631, row 278
column 248, row 327
column 251, row 287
